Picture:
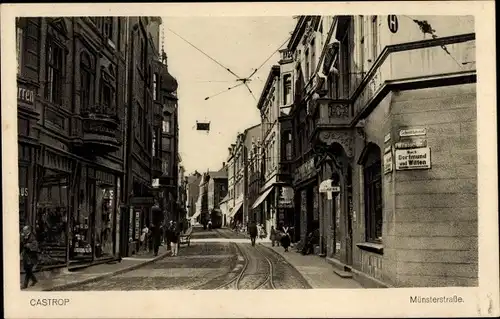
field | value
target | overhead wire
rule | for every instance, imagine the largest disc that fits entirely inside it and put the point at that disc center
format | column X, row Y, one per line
column 205, row 54
column 224, row 91
column 260, row 66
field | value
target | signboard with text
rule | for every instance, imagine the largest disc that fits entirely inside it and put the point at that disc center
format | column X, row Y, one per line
column 416, row 158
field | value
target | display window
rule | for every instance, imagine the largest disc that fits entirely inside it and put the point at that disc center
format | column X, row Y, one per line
column 52, row 218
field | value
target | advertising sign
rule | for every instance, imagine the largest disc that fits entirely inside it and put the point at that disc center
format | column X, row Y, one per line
column 387, row 162
column 416, row 158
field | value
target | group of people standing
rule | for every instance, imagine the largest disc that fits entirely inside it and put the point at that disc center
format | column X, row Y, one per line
column 277, row 236
column 152, row 238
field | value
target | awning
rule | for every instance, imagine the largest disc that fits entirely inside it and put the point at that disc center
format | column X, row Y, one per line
column 261, row 198
column 235, row 209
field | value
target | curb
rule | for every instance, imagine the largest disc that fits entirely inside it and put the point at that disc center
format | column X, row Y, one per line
column 106, row 275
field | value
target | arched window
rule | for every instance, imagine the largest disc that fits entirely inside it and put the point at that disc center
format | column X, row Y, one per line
column 86, row 76
column 372, row 171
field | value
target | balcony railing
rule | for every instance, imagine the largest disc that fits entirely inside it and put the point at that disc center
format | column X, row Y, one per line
column 286, row 55
column 438, row 57
column 330, row 113
column 101, row 128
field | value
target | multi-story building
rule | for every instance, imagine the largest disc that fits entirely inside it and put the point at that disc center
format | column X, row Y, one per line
column 151, row 95
column 217, row 187
column 274, row 201
column 229, row 201
column 182, row 193
column 192, row 193
column 373, row 96
column 71, row 114
column 239, row 203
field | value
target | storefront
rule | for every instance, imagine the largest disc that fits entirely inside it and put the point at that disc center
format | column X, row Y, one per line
column 306, row 216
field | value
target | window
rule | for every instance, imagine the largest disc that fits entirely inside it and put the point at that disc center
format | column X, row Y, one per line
column 19, row 48
column 85, row 81
column 153, row 150
column 166, row 126
column 373, row 194
column 287, row 89
column 287, row 141
column 345, row 55
column 313, row 58
column 155, row 86
column 374, row 43
column 54, row 76
column 108, row 27
column 306, row 72
column 107, row 95
column 361, row 48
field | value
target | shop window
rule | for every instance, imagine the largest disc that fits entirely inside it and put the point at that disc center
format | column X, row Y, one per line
column 86, row 81
column 373, row 193
column 54, row 73
column 287, row 89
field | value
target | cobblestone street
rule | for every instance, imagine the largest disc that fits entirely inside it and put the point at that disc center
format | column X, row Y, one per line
column 229, row 264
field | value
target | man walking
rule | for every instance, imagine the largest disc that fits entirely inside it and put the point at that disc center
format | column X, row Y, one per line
column 29, row 253
column 174, row 239
column 252, row 231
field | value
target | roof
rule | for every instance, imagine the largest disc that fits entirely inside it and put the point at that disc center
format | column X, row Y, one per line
column 220, row 174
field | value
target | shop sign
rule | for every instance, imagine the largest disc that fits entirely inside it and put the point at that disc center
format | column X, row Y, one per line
column 131, row 220
column 137, row 225
column 411, row 144
column 23, row 191
column 142, row 200
column 25, row 95
column 285, row 199
column 417, row 158
column 387, row 162
column 305, row 171
column 413, row 132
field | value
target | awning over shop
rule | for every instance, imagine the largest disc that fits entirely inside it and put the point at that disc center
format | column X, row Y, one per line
column 261, row 198
column 236, row 208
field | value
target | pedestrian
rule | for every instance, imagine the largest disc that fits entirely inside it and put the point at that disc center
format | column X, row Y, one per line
column 168, row 234
column 273, row 236
column 174, row 240
column 252, row 231
column 29, row 254
column 156, row 239
column 285, row 239
column 143, row 239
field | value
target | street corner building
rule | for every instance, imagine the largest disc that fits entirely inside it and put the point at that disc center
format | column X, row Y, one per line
column 91, row 113
column 368, row 135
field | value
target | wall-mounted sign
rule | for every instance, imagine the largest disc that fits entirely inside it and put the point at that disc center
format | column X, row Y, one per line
column 388, row 162
column 387, row 137
column 393, row 23
column 285, row 199
column 416, row 158
column 411, row 144
column 387, row 149
column 305, row 171
column 413, row 132
column 25, row 95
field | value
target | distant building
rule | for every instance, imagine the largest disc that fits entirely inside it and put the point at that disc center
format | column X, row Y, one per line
column 192, row 193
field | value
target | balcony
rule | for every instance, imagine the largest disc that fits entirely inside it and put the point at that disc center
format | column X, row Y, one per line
column 101, row 129
column 331, row 113
column 157, row 168
column 286, row 56
column 417, row 63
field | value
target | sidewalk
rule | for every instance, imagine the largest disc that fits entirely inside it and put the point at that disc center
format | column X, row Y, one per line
column 66, row 279
column 316, row 270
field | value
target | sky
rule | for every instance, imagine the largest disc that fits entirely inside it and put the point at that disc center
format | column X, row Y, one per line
column 241, row 44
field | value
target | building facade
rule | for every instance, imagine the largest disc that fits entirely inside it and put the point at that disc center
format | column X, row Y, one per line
column 71, row 114
column 192, row 193
column 378, row 96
